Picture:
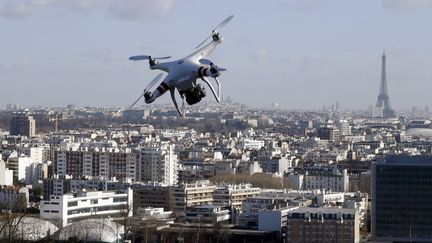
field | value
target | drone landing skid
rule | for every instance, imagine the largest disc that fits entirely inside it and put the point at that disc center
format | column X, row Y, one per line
column 181, row 112
column 217, row 96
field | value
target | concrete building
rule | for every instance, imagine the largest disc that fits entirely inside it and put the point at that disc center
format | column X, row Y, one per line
column 267, row 201
column 23, row 124
column 225, row 167
column 14, row 198
column 107, row 163
column 274, row 220
column 234, row 195
column 272, row 200
column 251, row 144
column 401, row 199
column 190, row 195
column 192, row 170
column 68, row 208
column 344, row 128
column 329, row 179
column 6, row 175
column 54, row 186
column 328, row 133
column 158, row 163
column 150, row 213
column 20, row 166
column 323, row 225
column 275, row 165
column 152, row 195
column 36, row 154
column 208, row 214
column 249, row 167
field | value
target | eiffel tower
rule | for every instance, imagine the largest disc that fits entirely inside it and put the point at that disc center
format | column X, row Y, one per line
column 383, row 101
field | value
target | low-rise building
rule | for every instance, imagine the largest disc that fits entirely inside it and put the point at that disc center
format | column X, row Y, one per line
column 152, row 195
column 274, row 219
column 68, row 208
column 150, row 213
column 323, row 225
column 234, row 195
column 208, row 214
column 13, row 198
column 190, row 195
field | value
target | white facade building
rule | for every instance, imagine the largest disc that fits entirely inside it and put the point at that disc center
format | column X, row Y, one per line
column 190, row 195
column 6, row 175
column 158, row 163
column 329, row 180
column 68, row 208
column 19, row 165
column 234, row 195
column 253, row 144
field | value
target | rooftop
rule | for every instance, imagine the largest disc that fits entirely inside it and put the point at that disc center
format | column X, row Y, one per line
column 409, row 160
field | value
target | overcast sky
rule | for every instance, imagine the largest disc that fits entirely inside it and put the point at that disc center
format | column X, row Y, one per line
column 300, row 53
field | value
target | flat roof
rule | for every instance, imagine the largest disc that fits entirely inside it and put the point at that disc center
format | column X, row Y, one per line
column 323, row 210
column 424, row 160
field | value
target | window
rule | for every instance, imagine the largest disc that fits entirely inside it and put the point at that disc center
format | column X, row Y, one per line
column 120, row 199
column 72, row 204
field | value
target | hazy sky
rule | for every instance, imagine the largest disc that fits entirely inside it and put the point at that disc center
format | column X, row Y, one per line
column 300, row 53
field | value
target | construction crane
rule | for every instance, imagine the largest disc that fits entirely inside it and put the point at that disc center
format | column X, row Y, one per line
column 56, row 118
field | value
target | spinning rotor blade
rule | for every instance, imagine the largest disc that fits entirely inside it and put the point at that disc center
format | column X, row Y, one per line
column 139, row 58
column 136, row 101
column 159, row 58
column 223, row 23
column 153, row 82
column 211, row 64
column 145, row 57
column 216, row 30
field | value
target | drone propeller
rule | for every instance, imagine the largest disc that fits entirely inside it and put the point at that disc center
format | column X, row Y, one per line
column 211, row 64
column 145, row 57
column 136, row 101
column 216, row 30
column 151, row 84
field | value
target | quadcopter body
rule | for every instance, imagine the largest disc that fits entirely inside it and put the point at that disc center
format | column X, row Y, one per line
column 183, row 74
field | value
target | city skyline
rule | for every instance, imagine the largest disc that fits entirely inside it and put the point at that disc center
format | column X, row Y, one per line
column 328, row 50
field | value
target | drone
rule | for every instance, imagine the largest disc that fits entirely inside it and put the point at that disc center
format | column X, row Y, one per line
column 184, row 73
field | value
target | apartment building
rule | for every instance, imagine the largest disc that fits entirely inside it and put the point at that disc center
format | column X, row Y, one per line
column 97, row 163
column 158, row 163
column 234, row 195
column 189, row 195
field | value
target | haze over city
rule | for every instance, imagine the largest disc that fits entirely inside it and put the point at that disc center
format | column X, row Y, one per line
column 302, row 54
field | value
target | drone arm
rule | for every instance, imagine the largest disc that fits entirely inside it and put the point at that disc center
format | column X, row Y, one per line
column 205, row 51
column 175, row 102
column 217, row 96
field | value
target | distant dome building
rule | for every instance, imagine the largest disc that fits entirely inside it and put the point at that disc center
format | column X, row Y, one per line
column 31, row 229
column 419, row 132
column 91, row 230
